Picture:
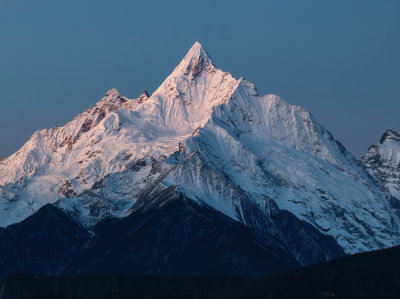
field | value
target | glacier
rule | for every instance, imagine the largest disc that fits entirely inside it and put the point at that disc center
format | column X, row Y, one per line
column 214, row 139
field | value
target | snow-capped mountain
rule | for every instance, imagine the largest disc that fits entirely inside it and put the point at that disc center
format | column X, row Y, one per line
column 68, row 160
column 216, row 142
column 383, row 162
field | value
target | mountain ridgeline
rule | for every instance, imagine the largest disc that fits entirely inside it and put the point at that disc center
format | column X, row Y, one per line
column 204, row 176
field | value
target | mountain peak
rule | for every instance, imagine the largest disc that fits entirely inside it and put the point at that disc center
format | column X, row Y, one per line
column 390, row 135
column 112, row 97
column 143, row 97
column 195, row 61
column 112, row 92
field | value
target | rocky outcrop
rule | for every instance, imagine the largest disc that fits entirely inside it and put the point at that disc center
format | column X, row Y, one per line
column 265, row 164
column 383, row 163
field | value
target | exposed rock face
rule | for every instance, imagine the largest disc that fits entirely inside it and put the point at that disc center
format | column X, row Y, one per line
column 65, row 189
column 256, row 161
column 390, row 135
column 111, row 134
column 383, row 163
column 143, row 98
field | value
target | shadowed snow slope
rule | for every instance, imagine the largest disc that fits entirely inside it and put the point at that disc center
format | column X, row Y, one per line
column 219, row 143
column 383, row 162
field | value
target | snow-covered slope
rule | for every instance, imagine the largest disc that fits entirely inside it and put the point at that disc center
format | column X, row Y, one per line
column 383, row 162
column 262, row 148
column 63, row 162
column 214, row 138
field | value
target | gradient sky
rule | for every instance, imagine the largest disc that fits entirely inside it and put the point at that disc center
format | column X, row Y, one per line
column 338, row 59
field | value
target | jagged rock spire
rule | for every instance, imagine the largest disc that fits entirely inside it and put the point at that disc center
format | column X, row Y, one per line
column 390, row 135
column 113, row 92
column 143, row 97
column 196, row 60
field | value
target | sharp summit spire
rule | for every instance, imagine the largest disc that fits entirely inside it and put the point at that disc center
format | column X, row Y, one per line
column 196, row 60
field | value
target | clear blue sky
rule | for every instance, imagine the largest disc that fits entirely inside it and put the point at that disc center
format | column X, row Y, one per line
column 339, row 59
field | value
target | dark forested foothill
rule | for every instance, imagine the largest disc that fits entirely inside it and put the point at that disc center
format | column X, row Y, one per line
column 367, row 275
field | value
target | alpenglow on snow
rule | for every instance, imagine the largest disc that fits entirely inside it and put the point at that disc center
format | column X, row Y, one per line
column 215, row 140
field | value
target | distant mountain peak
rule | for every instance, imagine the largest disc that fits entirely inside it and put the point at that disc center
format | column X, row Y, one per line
column 390, row 135
column 195, row 61
column 382, row 162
